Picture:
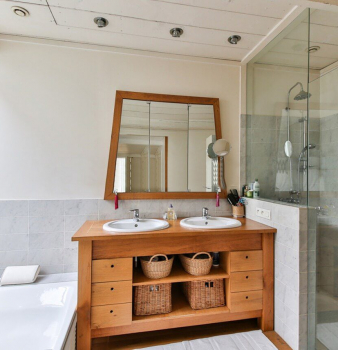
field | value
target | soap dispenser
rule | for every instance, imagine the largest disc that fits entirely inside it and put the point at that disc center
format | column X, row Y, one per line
column 256, row 189
column 171, row 215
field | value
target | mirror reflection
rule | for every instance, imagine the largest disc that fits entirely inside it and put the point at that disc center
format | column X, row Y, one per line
column 165, row 147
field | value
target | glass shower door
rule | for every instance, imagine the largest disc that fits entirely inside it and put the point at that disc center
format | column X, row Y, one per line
column 322, row 177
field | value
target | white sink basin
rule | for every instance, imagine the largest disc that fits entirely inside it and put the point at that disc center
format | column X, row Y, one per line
column 211, row 223
column 129, row 225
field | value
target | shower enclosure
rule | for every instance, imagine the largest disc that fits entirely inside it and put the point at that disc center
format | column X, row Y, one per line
column 292, row 148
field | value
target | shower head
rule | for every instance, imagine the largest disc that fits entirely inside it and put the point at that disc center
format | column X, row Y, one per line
column 302, row 95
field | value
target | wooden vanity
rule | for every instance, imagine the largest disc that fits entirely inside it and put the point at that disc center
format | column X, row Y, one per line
column 107, row 277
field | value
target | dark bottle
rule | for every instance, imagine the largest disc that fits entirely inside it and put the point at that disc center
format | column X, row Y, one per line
column 215, row 259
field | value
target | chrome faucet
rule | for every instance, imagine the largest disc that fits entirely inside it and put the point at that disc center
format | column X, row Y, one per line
column 136, row 214
column 205, row 213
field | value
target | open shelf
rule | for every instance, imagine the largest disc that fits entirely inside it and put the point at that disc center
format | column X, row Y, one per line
column 177, row 275
column 181, row 308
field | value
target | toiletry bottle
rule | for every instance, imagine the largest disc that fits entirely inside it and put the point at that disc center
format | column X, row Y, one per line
column 246, row 189
column 256, row 189
column 171, row 213
column 243, row 191
column 215, row 259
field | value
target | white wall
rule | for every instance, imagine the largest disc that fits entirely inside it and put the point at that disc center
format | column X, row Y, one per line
column 56, row 107
column 268, row 88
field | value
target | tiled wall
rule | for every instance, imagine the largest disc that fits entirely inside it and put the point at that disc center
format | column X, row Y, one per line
column 291, row 268
column 39, row 232
column 262, row 151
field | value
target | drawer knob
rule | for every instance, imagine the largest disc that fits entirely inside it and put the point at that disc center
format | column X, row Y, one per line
column 112, row 288
column 247, row 277
column 246, row 297
column 112, row 266
column 247, row 257
column 111, row 311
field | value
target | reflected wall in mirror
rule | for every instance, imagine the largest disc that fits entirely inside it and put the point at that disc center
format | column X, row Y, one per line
column 161, row 147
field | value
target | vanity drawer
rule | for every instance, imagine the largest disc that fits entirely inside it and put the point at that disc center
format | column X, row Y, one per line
column 109, row 270
column 111, row 315
column 246, row 301
column 246, row 260
column 111, row 293
column 246, row 281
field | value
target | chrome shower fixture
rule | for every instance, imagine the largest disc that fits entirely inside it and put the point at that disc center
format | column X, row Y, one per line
column 302, row 95
column 304, row 166
column 234, row 39
column 176, row 32
column 310, row 146
column 101, row 22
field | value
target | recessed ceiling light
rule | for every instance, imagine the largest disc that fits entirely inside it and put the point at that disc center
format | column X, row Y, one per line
column 313, row 49
column 20, row 11
column 176, row 32
column 234, row 39
column 101, row 22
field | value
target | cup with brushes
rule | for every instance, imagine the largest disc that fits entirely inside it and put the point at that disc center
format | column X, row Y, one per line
column 237, row 204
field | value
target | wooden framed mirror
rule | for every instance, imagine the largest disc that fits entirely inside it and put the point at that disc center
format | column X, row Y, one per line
column 161, row 147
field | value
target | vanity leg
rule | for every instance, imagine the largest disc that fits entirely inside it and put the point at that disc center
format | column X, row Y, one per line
column 84, row 295
column 266, row 322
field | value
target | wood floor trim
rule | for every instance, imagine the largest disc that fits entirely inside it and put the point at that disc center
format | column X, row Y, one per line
column 277, row 340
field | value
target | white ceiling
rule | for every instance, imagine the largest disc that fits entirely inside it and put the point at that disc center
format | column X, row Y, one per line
column 145, row 24
column 291, row 50
column 207, row 24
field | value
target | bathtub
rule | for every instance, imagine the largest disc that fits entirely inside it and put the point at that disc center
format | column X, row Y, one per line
column 39, row 316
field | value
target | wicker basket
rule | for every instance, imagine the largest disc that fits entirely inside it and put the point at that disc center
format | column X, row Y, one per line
column 196, row 267
column 157, row 269
column 152, row 299
column 205, row 294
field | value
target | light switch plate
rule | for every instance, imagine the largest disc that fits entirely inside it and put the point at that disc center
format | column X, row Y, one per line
column 263, row 213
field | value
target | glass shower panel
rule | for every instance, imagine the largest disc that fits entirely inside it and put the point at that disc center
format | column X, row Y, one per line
column 323, row 213
column 276, row 105
column 320, row 176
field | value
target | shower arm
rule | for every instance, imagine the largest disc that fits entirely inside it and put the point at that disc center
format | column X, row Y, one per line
column 288, row 106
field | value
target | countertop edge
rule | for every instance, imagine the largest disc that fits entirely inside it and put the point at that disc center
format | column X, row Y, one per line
column 83, row 234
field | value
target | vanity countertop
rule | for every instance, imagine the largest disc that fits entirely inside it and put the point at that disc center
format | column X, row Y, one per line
column 93, row 231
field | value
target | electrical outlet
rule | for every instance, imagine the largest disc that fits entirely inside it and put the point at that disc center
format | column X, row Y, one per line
column 263, row 213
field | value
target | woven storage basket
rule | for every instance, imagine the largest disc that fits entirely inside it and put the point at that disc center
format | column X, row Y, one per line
column 196, row 267
column 152, row 299
column 157, row 269
column 205, row 294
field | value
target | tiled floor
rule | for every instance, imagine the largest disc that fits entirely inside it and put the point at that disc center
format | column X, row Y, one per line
column 327, row 334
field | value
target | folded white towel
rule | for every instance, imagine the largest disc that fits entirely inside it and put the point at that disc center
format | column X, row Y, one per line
column 20, row 274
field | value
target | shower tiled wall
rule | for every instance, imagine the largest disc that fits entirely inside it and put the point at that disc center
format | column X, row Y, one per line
column 263, row 156
column 40, row 231
column 328, row 216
